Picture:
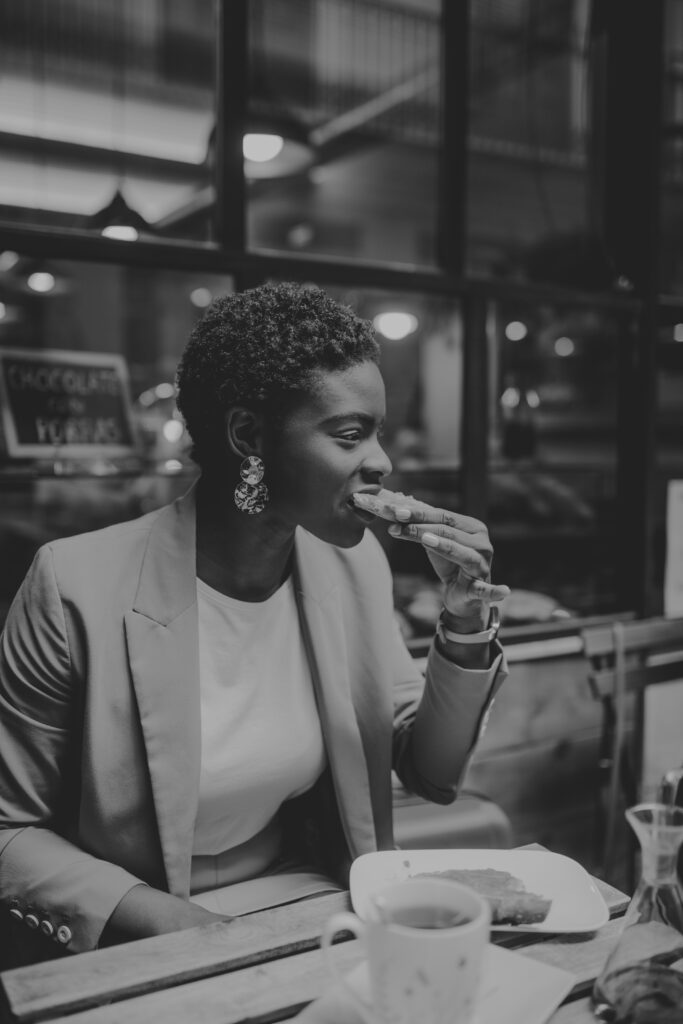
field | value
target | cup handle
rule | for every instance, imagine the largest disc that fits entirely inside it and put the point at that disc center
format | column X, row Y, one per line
column 345, row 922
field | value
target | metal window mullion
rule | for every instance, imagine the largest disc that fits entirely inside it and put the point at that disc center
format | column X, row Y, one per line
column 450, row 211
column 231, row 118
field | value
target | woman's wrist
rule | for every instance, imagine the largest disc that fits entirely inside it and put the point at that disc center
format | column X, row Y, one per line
column 470, row 656
column 474, row 622
column 466, row 641
column 144, row 912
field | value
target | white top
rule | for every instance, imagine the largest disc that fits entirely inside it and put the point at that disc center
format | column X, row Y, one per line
column 261, row 736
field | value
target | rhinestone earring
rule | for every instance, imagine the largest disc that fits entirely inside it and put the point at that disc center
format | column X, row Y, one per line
column 251, row 496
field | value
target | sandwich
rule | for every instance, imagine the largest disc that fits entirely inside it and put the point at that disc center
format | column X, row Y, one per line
column 385, row 503
column 507, row 895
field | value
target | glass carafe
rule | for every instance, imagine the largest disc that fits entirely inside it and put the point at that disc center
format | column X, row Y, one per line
column 642, row 981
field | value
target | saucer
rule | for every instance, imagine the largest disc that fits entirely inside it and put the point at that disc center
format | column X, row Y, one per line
column 513, row 988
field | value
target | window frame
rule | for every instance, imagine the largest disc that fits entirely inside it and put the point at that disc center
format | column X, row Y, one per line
column 633, row 169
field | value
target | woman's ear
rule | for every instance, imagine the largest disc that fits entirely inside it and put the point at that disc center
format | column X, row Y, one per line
column 243, row 431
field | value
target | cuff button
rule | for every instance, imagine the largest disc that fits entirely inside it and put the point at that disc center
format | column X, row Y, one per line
column 47, row 927
column 31, row 921
column 64, row 934
column 16, row 913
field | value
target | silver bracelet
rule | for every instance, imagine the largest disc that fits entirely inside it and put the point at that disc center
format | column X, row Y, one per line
column 484, row 637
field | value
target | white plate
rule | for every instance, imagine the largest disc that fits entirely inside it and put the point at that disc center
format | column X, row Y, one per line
column 577, row 905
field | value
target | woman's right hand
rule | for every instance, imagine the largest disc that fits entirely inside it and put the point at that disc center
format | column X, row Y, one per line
column 144, row 912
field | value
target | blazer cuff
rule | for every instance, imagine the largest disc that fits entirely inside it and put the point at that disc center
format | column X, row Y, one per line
column 46, row 876
column 475, row 684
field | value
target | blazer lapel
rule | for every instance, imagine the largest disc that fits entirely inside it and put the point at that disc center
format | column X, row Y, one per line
column 163, row 652
column 323, row 632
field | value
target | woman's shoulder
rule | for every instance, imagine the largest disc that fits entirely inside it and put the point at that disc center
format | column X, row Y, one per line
column 129, row 531
column 106, row 559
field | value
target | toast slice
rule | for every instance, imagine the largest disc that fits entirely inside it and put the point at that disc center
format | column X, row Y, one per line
column 386, row 502
column 507, row 896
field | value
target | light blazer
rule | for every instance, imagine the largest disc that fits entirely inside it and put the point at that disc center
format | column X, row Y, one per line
column 100, row 725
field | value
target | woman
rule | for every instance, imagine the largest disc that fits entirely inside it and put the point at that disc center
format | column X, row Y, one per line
column 196, row 708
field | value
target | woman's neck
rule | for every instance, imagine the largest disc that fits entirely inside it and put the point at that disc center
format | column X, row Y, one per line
column 246, row 557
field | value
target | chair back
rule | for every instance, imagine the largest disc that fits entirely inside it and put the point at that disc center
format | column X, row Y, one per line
column 625, row 659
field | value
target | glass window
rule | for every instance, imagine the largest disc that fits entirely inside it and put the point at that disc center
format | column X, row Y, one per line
column 671, row 253
column 344, row 128
column 144, row 316
column 553, row 454
column 669, row 429
column 106, row 110
column 528, row 200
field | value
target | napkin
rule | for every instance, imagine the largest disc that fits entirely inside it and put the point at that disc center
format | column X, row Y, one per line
column 514, row 988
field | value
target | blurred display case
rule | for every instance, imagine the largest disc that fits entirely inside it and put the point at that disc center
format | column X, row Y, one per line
column 142, row 315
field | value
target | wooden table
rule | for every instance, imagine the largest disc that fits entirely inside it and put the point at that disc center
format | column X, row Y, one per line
column 260, row 968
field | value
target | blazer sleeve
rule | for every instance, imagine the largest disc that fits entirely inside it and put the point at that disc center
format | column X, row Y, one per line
column 436, row 734
column 438, row 720
column 42, row 873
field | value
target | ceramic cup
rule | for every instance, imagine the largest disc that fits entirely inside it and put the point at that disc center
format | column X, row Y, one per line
column 424, row 941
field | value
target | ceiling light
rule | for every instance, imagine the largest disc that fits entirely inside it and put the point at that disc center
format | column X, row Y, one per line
column 516, row 330
column 276, row 146
column 201, row 297
column 678, row 332
column 261, row 147
column 532, row 399
column 118, row 220
column 164, row 390
column 395, row 325
column 300, row 235
column 510, row 398
column 564, row 347
column 41, row 281
column 3, row 310
column 124, row 232
column 172, row 430
column 8, row 259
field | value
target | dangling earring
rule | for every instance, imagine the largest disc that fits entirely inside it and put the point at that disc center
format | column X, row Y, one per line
column 251, row 496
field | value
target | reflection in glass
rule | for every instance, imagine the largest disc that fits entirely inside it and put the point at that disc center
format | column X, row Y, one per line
column 352, row 89
column 553, row 451
column 106, row 107
column 529, row 204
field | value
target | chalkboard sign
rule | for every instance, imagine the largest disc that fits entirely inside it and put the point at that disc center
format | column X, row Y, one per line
column 64, row 404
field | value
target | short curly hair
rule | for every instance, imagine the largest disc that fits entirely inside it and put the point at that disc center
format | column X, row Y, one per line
column 263, row 347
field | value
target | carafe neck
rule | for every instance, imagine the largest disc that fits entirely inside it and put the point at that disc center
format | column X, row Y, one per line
column 659, row 867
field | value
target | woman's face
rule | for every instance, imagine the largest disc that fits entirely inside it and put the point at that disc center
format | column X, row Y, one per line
column 329, row 447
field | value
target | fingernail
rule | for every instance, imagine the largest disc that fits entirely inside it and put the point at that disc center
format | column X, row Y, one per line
column 403, row 514
column 430, row 540
column 395, row 530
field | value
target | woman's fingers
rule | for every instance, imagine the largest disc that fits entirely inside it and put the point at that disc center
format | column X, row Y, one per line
column 440, row 517
column 459, row 548
column 472, row 554
column 484, row 591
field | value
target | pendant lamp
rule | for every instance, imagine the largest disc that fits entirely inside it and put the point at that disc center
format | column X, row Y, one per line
column 118, row 220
